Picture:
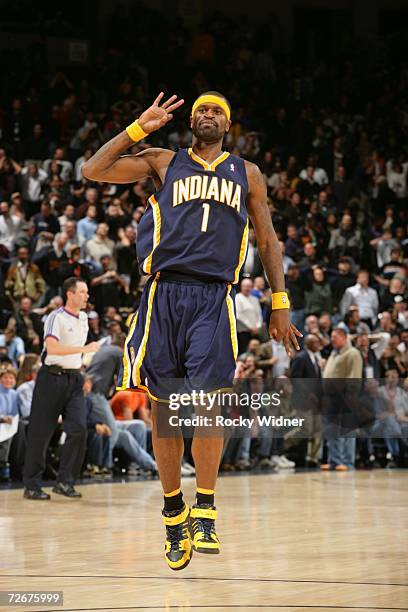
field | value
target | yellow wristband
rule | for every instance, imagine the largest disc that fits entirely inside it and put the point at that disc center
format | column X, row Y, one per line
column 135, row 132
column 280, row 300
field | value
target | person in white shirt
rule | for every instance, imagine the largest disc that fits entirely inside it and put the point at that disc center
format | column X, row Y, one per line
column 9, row 227
column 249, row 315
column 33, row 179
column 364, row 297
column 59, row 391
column 65, row 166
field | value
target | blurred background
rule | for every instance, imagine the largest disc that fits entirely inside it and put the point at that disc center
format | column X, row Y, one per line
column 319, row 101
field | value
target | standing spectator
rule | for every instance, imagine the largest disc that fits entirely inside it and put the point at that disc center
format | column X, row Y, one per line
column 249, row 315
column 342, row 188
column 297, row 285
column 364, row 297
column 9, row 227
column 88, row 225
column 343, row 279
column 108, row 287
column 318, row 297
column 33, row 180
column 286, row 260
column 100, row 245
column 306, row 376
column 293, row 244
column 253, row 264
column 63, row 165
column 345, row 363
column 345, row 240
column 49, row 260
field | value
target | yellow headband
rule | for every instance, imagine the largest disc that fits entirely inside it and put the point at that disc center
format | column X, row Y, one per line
column 214, row 100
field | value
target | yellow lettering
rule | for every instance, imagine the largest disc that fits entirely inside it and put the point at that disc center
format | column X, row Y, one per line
column 204, row 187
column 213, row 191
column 183, row 190
column 175, row 193
column 195, row 187
column 236, row 200
column 226, row 191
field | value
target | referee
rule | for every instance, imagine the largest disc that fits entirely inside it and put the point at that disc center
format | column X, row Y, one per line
column 58, row 391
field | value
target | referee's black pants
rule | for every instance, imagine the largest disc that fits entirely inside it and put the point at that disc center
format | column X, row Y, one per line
column 56, row 394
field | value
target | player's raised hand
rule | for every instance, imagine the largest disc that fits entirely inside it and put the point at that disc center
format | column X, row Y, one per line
column 156, row 116
column 280, row 328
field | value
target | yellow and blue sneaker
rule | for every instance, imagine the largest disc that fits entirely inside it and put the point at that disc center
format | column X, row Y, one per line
column 205, row 539
column 178, row 549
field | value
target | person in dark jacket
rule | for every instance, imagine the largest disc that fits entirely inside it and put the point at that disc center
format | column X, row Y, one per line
column 305, row 373
column 97, row 454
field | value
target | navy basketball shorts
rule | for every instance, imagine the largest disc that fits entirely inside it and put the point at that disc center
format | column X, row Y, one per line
column 182, row 338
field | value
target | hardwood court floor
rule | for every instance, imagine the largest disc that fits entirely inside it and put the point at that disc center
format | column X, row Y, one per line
column 290, row 542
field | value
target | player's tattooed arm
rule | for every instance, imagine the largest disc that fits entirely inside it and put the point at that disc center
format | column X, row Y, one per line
column 280, row 327
column 110, row 165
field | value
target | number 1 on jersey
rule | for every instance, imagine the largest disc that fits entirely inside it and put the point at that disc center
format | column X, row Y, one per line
column 206, row 214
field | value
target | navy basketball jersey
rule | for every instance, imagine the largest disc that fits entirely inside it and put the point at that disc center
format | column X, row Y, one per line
column 197, row 222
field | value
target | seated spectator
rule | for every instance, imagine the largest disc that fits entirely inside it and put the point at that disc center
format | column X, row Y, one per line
column 394, row 266
column 396, row 289
column 68, row 215
column 364, row 297
column 27, row 325
column 95, row 329
column 13, row 345
column 309, row 259
column 127, row 405
column 24, row 278
column 97, row 447
column 352, row 323
column 8, row 410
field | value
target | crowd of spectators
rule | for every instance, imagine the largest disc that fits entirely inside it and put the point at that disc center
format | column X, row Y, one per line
column 331, row 141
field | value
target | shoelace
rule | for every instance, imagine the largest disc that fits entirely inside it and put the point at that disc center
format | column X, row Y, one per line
column 206, row 526
column 175, row 534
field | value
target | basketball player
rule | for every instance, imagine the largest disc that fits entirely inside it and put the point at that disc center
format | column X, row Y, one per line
column 192, row 241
